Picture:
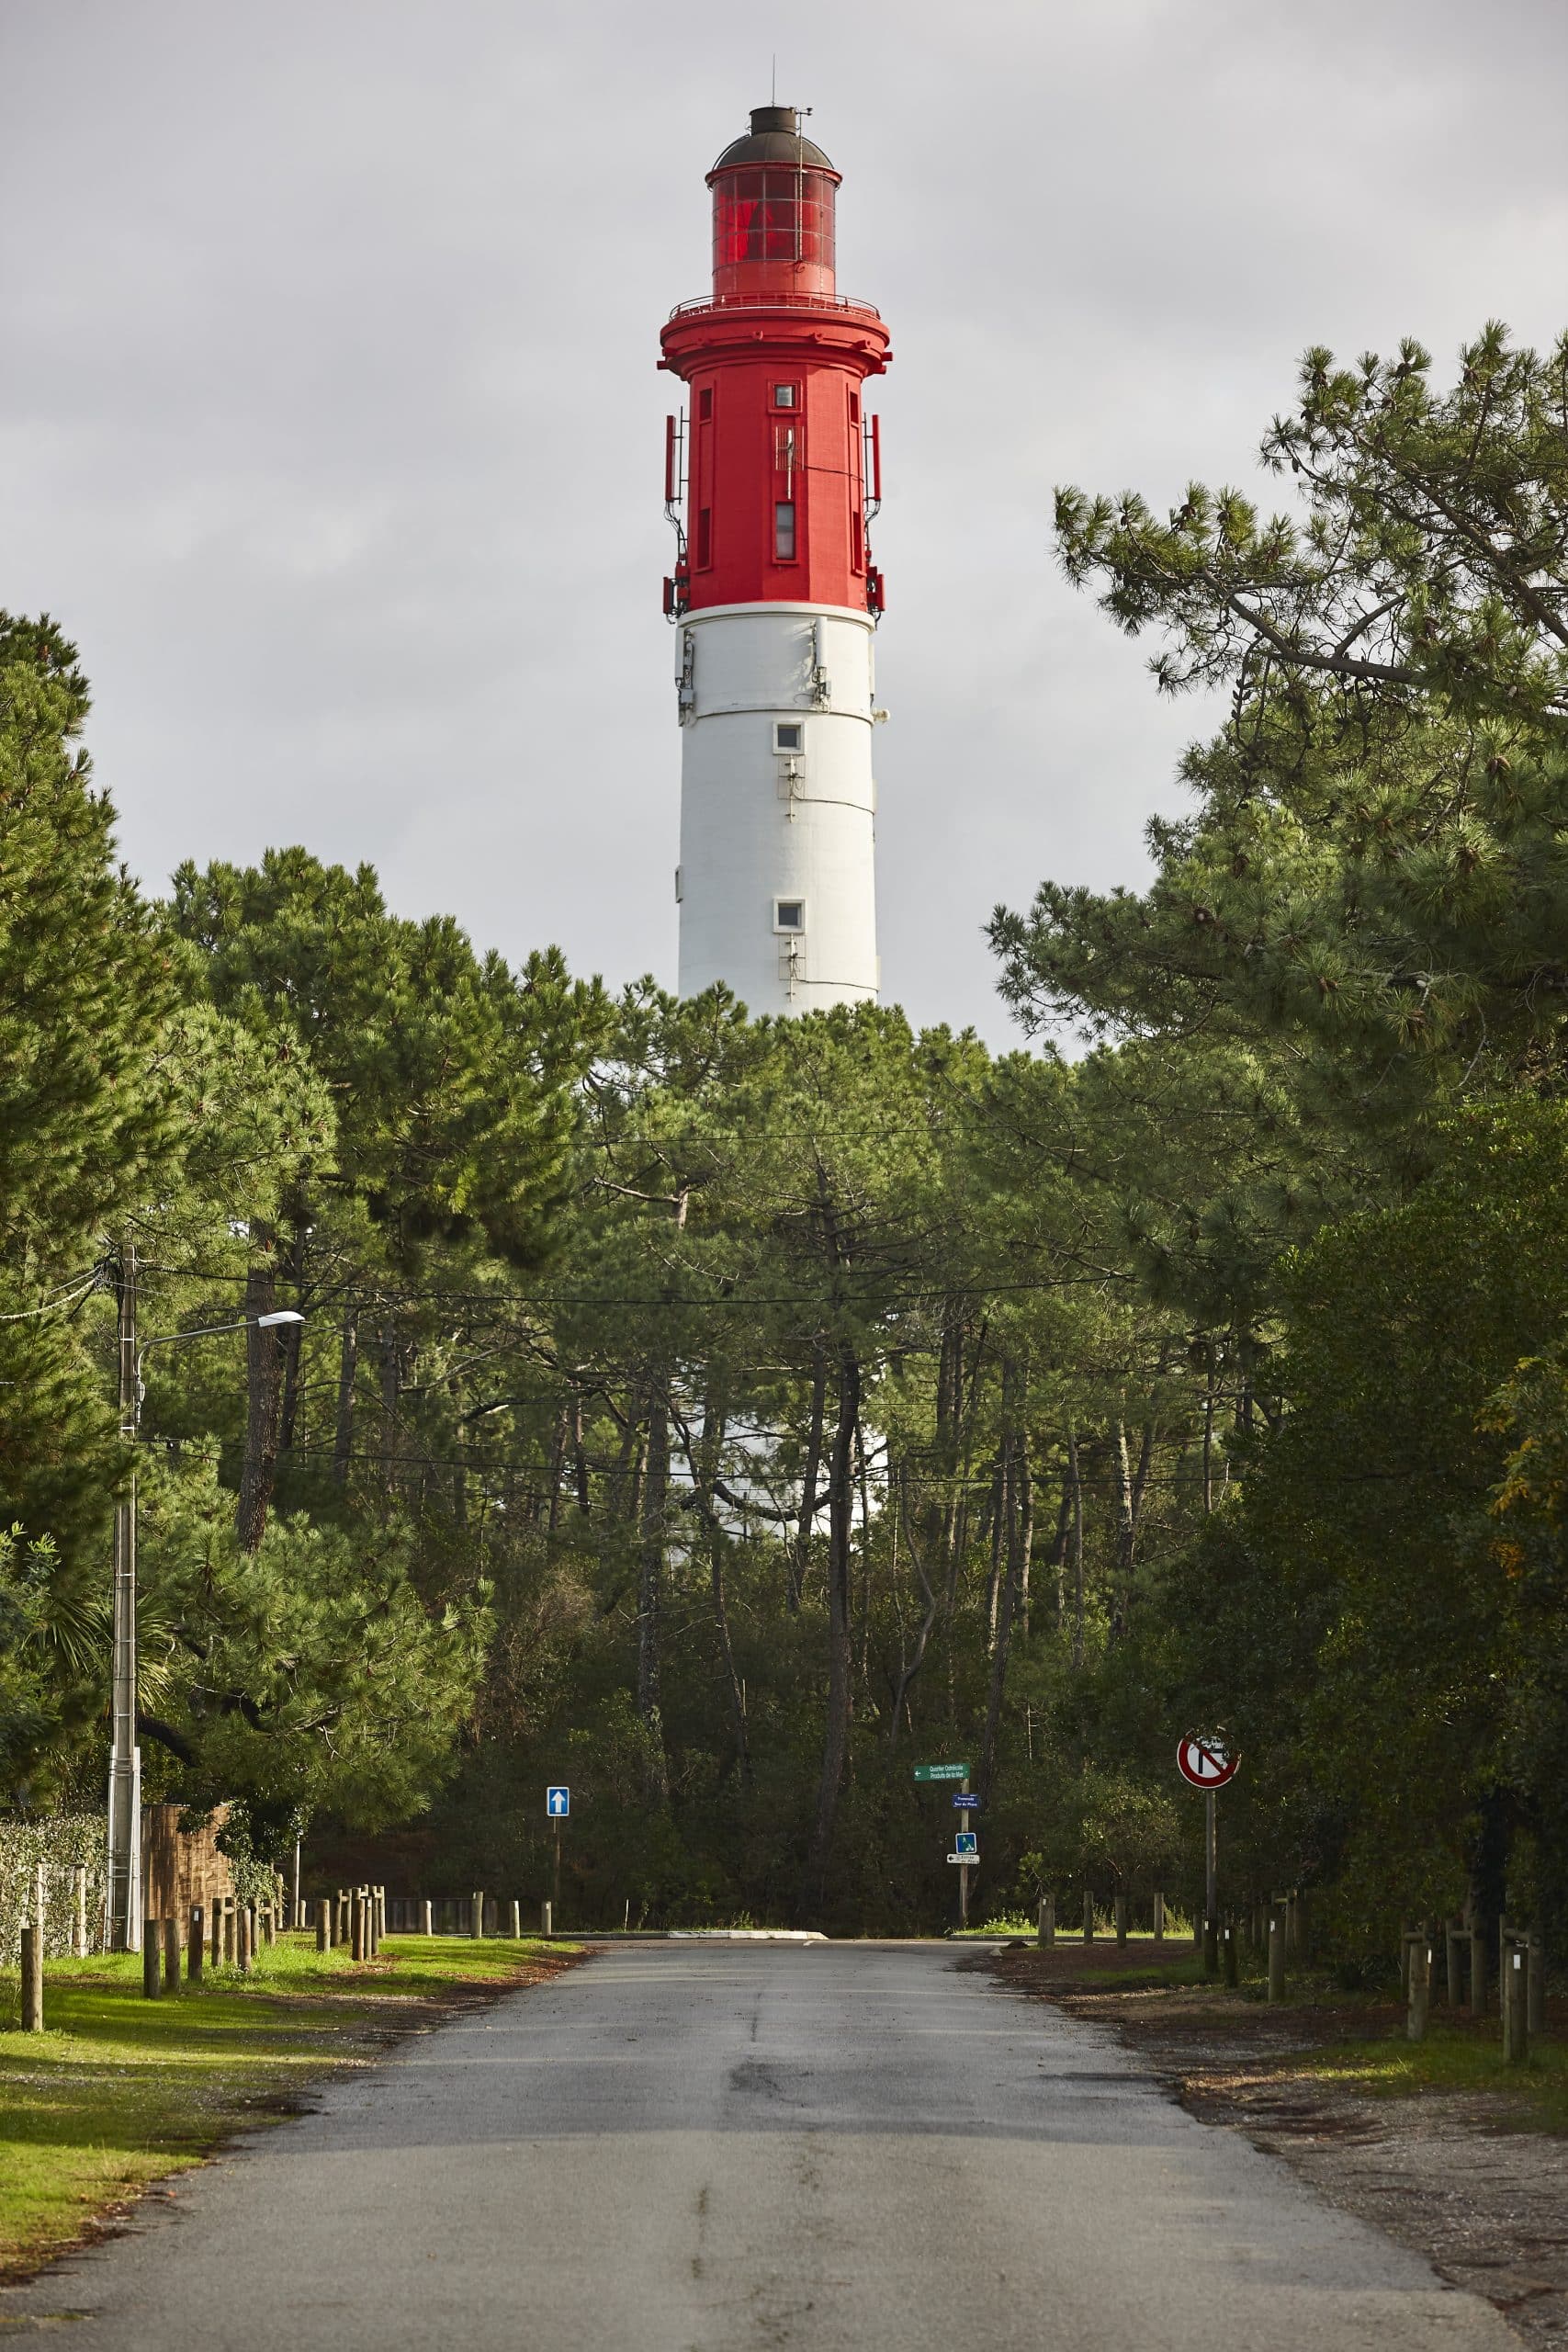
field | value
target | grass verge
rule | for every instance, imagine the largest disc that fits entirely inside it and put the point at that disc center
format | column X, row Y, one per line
column 1453, row 2058
column 120, row 2091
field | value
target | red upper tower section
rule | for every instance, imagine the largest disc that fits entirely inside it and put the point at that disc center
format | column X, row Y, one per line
column 773, row 475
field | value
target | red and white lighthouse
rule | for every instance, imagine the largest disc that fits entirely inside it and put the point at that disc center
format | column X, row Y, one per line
column 772, row 477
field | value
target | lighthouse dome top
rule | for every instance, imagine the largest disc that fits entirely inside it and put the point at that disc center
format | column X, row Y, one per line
column 774, row 138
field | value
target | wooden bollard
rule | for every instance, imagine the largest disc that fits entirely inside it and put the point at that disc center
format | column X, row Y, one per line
column 171, row 1955
column 323, row 1924
column 1089, row 1919
column 1045, row 1923
column 381, row 1914
column 1535, row 1983
column 1478, row 1970
column 1453, row 1964
column 547, row 1927
column 269, row 1923
column 196, row 1943
column 1231, row 1942
column 1121, row 1920
column 475, row 1915
column 1277, row 1954
column 1513, row 1999
column 357, row 1926
column 32, row 1977
column 1159, row 1919
column 79, row 1920
column 152, row 1955
column 427, row 1918
column 230, row 1930
column 1418, row 1984
column 516, row 1928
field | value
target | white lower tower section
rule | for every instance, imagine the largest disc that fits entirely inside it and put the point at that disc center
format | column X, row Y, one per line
column 776, row 882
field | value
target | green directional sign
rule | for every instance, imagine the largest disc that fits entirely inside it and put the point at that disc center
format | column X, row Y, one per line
column 941, row 1771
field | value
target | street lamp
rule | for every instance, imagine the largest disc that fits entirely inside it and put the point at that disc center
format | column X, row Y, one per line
column 124, row 1922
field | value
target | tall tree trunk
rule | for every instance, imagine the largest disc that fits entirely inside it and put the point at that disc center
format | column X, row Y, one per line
column 263, row 1387
column 863, row 1486
column 801, row 1557
column 557, row 1457
column 910, row 1661
column 650, row 1595
column 840, row 1553
column 718, row 1544
column 292, row 1335
column 1005, row 1617
column 391, row 1384
column 1026, row 1481
column 1059, row 1546
column 343, row 1434
column 579, row 1453
column 1075, row 1483
column 1131, row 1488
column 999, row 1540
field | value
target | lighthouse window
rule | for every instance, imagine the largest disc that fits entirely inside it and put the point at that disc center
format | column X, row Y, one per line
column 789, row 914
column 705, row 536
column 789, row 735
column 783, row 530
column 854, row 408
column 705, row 404
column 783, row 395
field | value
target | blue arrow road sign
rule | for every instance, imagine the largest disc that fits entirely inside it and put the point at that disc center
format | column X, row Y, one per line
column 558, row 1802
column 964, row 1841
column 967, row 1803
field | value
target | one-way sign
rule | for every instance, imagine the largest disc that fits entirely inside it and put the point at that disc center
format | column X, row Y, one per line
column 558, row 1802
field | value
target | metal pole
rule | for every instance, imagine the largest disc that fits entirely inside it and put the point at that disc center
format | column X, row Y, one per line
column 964, row 1867
column 125, row 1756
column 555, row 1890
column 1211, row 1856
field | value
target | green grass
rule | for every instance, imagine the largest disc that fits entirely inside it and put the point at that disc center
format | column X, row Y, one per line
column 120, row 2091
column 1451, row 2058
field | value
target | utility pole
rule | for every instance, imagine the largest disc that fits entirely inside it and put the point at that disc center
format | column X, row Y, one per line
column 124, row 1922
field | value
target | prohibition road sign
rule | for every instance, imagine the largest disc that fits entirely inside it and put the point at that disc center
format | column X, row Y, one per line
column 1206, row 1763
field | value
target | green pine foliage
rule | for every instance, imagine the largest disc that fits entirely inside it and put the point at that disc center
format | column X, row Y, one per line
column 723, row 1414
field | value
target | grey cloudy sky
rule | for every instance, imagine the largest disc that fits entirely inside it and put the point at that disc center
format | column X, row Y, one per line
column 330, row 425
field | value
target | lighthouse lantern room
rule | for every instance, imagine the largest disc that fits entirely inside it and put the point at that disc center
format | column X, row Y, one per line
column 772, row 477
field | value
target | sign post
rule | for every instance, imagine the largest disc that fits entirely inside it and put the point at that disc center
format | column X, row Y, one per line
column 966, row 1845
column 558, row 1805
column 1206, row 1763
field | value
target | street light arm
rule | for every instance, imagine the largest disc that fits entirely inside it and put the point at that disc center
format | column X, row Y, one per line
column 215, row 1331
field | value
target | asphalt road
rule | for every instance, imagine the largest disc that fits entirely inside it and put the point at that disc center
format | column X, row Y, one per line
column 680, row 2148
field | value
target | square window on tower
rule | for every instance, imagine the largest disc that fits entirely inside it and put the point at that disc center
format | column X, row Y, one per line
column 784, row 531
column 705, row 404
column 783, row 395
column 789, row 915
column 789, row 735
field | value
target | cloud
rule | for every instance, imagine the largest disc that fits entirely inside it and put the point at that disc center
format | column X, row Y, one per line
column 331, row 427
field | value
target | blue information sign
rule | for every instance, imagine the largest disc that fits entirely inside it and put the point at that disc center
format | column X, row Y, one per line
column 557, row 1803
column 966, row 1802
column 965, row 1842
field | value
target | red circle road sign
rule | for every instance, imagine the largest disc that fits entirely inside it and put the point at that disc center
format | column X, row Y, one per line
column 1206, row 1763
